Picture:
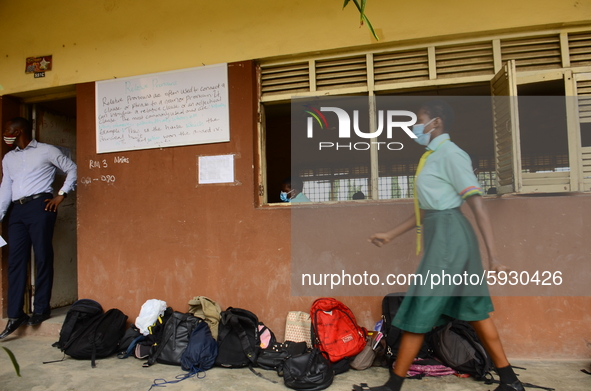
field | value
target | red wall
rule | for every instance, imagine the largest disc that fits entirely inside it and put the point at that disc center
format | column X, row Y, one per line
column 154, row 233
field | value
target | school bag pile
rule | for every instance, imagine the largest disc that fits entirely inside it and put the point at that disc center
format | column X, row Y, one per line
column 318, row 345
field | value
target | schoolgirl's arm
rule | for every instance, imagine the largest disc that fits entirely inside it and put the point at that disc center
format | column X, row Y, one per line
column 483, row 221
column 382, row 238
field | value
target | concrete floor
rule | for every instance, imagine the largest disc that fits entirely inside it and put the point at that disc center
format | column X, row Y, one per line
column 32, row 346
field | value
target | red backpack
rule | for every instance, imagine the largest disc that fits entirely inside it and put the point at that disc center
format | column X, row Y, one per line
column 335, row 330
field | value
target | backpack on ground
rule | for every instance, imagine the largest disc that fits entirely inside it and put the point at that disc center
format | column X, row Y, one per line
column 274, row 355
column 366, row 358
column 238, row 338
column 174, row 340
column 266, row 336
column 297, row 327
column 130, row 335
column 208, row 310
column 335, row 330
column 392, row 334
column 310, row 371
column 98, row 338
column 77, row 316
column 202, row 350
column 457, row 346
column 129, row 341
column 155, row 332
column 199, row 353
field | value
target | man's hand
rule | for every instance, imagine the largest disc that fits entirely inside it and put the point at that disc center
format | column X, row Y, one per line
column 52, row 204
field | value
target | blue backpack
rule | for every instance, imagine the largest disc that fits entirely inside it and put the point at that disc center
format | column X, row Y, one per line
column 201, row 351
column 198, row 355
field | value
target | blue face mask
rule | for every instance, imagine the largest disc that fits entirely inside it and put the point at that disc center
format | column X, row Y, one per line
column 285, row 196
column 418, row 130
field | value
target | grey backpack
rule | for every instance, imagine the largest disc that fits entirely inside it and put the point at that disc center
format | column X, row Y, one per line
column 457, row 346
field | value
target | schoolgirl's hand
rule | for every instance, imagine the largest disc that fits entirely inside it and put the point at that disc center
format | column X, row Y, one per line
column 380, row 239
column 496, row 266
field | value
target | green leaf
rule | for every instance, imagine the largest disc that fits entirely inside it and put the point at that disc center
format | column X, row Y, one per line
column 356, row 2
column 370, row 27
column 362, row 11
column 17, row 368
column 363, row 18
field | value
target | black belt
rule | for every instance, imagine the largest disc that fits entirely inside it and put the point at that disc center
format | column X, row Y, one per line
column 26, row 199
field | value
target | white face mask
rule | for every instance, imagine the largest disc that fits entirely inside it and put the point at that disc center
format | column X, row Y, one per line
column 419, row 129
column 9, row 140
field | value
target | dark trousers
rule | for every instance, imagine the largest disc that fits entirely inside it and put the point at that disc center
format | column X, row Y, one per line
column 30, row 224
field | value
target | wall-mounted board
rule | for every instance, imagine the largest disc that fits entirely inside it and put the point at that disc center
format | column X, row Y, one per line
column 168, row 109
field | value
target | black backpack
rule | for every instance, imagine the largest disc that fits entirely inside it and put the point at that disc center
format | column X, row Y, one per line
column 77, row 317
column 98, row 337
column 238, row 338
column 175, row 338
column 457, row 345
column 273, row 357
column 156, row 331
column 310, row 371
column 129, row 341
column 392, row 334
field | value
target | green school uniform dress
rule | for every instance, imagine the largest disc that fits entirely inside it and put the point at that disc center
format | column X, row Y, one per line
column 453, row 282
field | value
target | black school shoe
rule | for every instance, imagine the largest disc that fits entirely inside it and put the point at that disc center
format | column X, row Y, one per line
column 13, row 324
column 38, row 319
column 365, row 387
column 515, row 386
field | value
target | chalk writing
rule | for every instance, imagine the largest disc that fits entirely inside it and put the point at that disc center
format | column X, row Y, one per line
column 120, row 159
column 161, row 110
column 108, row 179
column 98, row 164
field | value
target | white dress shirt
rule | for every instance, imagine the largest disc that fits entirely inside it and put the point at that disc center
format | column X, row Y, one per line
column 31, row 171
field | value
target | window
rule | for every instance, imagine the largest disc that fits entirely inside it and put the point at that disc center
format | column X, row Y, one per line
column 535, row 151
column 532, row 138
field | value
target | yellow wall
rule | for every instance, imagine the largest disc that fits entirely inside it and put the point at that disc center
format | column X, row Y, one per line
column 101, row 39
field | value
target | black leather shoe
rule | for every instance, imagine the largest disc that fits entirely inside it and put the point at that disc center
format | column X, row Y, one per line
column 515, row 386
column 38, row 319
column 13, row 324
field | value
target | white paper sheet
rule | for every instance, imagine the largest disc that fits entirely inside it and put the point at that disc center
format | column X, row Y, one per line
column 216, row 169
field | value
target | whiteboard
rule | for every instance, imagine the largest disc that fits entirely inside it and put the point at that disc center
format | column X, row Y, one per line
column 165, row 109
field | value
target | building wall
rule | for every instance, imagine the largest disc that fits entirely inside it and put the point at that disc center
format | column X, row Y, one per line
column 153, row 233
column 97, row 40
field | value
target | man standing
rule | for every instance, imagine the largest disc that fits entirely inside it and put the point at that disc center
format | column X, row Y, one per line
column 28, row 172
